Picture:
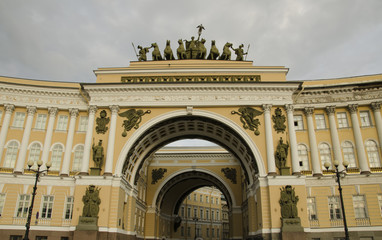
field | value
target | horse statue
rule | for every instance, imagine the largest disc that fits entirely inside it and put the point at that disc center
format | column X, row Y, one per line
column 226, row 55
column 156, row 53
column 181, row 51
column 202, row 51
column 168, row 55
column 214, row 52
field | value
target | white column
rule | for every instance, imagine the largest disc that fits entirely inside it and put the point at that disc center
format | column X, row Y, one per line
column 88, row 140
column 110, row 146
column 361, row 154
column 5, row 126
column 376, row 106
column 331, row 110
column 293, row 141
column 49, row 133
column 269, row 140
column 316, row 166
column 25, row 140
column 69, row 142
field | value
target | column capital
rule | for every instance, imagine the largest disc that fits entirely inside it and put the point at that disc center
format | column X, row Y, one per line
column 330, row 110
column 353, row 108
column 73, row 112
column 267, row 107
column 376, row 106
column 53, row 111
column 31, row 110
column 92, row 109
column 114, row 109
column 9, row 108
column 309, row 111
column 289, row 108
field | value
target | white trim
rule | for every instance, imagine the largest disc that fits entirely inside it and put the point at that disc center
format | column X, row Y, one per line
column 30, row 145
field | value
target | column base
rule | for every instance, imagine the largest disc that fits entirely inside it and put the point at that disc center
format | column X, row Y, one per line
column 17, row 173
column 365, row 172
column 297, row 174
column 107, row 174
column 317, row 175
column 272, row 174
column 64, row 175
column 83, row 174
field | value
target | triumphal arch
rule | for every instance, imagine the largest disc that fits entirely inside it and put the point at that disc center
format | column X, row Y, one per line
column 112, row 176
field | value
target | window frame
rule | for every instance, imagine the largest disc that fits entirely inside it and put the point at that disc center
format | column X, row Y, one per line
column 62, row 123
column 343, row 120
column 19, row 119
column 298, row 123
column 47, row 206
column 320, row 121
column 365, row 118
column 22, row 211
column 40, row 123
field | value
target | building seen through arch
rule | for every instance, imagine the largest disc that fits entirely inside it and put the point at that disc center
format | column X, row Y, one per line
column 115, row 176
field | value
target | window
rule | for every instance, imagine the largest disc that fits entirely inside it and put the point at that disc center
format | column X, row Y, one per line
column 208, row 232
column 373, row 154
column 56, row 157
column 298, row 122
column 2, row 202
column 23, row 206
column 212, row 200
column 195, row 212
column 342, row 120
column 320, row 121
column 189, row 231
column 40, row 121
column 359, row 204
column 348, row 150
column 41, row 238
column 182, row 231
column 206, row 199
column 18, row 121
column 189, row 197
column 207, row 214
column 47, row 206
column 62, row 123
column 194, row 196
column 213, row 232
column 212, row 215
column 335, row 208
column 69, row 207
column 217, row 215
column 78, row 154
column 201, row 198
column 83, row 125
column 218, row 233
column 303, row 157
column 325, row 155
column 182, row 212
column 189, row 212
column 380, row 203
column 11, row 154
column 15, row 237
column 217, row 200
column 365, row 118
column 201, row 214
column 312, row 212
column 34, row 153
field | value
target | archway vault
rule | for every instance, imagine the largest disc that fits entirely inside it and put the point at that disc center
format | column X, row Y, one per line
column 179, row 125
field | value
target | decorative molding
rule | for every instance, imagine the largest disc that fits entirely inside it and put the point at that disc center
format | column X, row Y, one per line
column 114, row 109
column 330, row 110
column 353, row 108
column 289, row 108
column 376, row 106
column 247, row 117
column 31, row 110
column 157, row 174
column 188, row 79
column 279, row 121
column 53, row 111
column 101, row 122
column 73, row 112
column 9, row 108
column 309, row 111
column 92, row 109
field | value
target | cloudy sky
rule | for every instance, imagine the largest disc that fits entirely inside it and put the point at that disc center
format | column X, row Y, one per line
column 67, row 40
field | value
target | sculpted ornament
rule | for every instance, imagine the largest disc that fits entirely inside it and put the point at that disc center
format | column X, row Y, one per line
column 157, row 174
column 247, row 117
column 230, row 173
column 134, row 118
column 288, row 202
column 281, row 154
column 91, row 202
column 101, row 122
column 98, row 154
column 279, row 120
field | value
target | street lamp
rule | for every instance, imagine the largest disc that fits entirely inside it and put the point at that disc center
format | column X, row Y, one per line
column 195, row 219
column 37, row 172
column 336, row 163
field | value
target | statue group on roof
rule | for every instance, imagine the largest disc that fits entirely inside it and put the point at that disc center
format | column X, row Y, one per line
column 192, row 49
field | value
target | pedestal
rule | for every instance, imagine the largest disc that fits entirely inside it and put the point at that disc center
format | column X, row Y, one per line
column 285, row 171
column 95, row 171
column 87, row 228
column 291, row 229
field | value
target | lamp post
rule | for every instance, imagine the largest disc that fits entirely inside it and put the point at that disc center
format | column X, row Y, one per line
column 195, row 219
column 37, row 172
column 336, row 164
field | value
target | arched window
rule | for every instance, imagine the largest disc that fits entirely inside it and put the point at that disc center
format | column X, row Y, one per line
column 303, row 157
column 373, row 154
column 348, row 151
column 34, row 153
column 325, row 155
column 11, row 154
column 56, row 157
column 77, row 160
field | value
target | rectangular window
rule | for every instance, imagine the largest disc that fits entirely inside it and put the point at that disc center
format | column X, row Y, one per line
column 312, row 212
column 195, row 212
column 217, row 215
column 69, row 207
column 320, row 121
column 189, row 197
column 217, row 200
column 189, row 231
column 40, row 121
column 365, row 118
column 15, row 237
column 208, row 232
column 189, row 212
column 206, row 199
column 23, row 206
column 18, row 121
column 213, row 232
column 335, row 208
column 218, row 233
column 201, row 198
column 212, row 215
column 201, row 213
column 47, row 206
column 2, row 202
column 359, row 204
column 342, row 120
column 41, row 238
column 83, row 125
column 182, row 231
column 182, row 212
column 212, row 200
column 194, row 196
column 207, row 214
column 62, row 123
column 298, row 122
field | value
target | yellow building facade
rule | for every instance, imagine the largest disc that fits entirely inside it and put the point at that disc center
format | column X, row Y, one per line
column 138, row 110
